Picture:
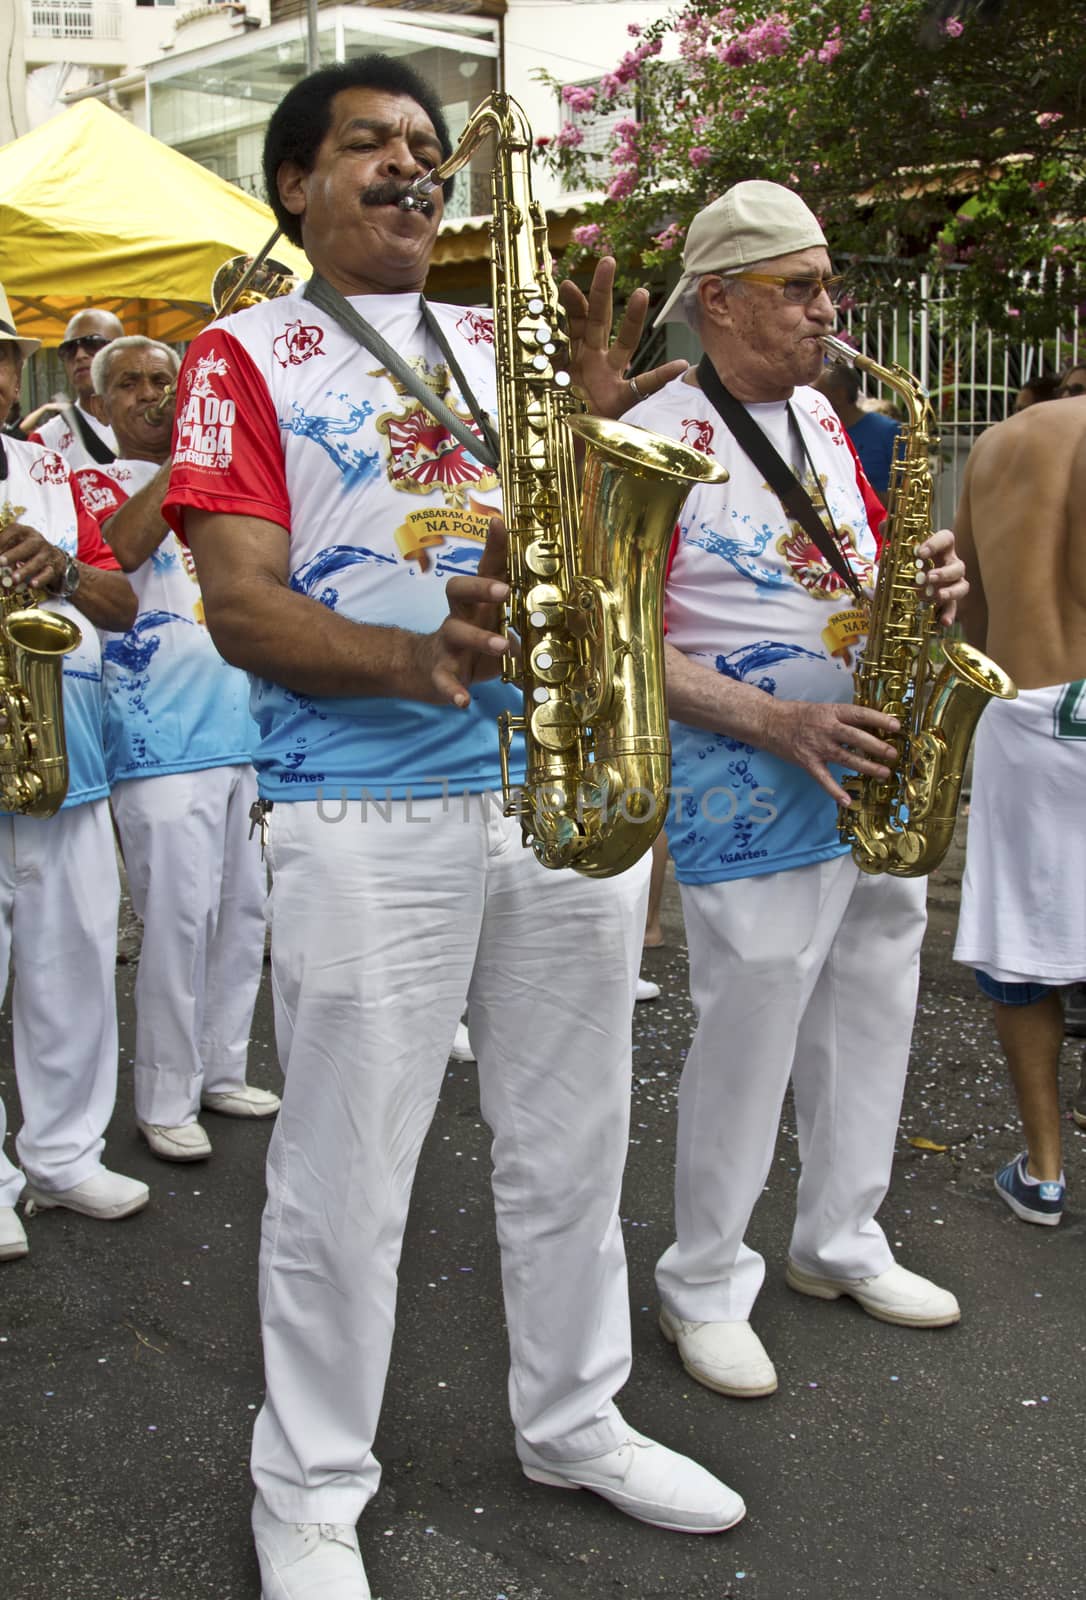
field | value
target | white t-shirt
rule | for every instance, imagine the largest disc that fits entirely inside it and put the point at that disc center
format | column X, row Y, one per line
column 38, row 483
column 172, row 704
column 60, row 435
column 752, row 597
column 282, row 416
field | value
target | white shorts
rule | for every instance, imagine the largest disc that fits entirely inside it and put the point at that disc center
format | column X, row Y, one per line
column 1023, row 909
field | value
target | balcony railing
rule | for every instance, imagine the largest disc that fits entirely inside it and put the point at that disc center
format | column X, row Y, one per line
column 76, row 19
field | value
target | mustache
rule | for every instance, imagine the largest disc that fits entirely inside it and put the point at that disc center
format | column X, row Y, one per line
column 389, row 193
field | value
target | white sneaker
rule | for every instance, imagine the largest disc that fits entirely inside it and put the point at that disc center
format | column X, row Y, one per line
column 726, row 1356
column 461, row 1045
column 105, row 1195
column 248, row 1101
column 647, row 990
column 12, row 1235
column 896, row 1295
column 647, row 1481
column 189, row 1142
column 307, row 1560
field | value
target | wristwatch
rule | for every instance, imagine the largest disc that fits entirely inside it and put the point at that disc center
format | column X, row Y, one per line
column 69, row 580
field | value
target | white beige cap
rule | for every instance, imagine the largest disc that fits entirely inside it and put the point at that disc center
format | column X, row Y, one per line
column 752, row 221
column 8, row 334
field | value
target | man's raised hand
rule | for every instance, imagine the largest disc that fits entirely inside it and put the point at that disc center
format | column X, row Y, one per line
column 598, row 364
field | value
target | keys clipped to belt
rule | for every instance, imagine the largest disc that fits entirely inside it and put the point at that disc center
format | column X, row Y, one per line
column 258, row 818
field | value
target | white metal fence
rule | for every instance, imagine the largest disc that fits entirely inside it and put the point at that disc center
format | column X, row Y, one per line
column 972, row 375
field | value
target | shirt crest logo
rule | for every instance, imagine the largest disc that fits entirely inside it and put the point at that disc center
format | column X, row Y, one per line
column 424, row 456
column 49, row 468
column 206, row 368
column 476, row 328
column 698, row 434
column 98, row 492
column 297, row 342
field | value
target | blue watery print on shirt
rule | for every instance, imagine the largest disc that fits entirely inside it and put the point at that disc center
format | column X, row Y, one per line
column 355, row 464
column 133, row 653
column 753, row 658
column 164, row 559
column 312, row 577
column 742, row 556
column 740, row 809
column 457, row 559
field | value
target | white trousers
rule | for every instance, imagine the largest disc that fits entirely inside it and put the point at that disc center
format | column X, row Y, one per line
column 59, row 895
column 380, row 932
column 812, row 974
column 199, row 884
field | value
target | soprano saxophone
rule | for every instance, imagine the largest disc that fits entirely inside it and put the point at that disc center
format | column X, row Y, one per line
column 904, row 824
column 586, row 586
column 33, row 644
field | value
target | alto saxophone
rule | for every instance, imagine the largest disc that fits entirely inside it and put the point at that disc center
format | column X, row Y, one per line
column 586, row 586
column 904, row 824
column 33, row 644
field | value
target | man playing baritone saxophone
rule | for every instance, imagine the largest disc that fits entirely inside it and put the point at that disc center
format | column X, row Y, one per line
column 1022, row 524
column 59, row 888
column 800, row 966
column 179, row 741
column 327, row 510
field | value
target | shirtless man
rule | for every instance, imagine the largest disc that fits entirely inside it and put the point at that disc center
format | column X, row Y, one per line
column 1021, row 529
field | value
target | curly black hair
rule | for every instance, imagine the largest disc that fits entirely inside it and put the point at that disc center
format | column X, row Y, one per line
column 304, row 115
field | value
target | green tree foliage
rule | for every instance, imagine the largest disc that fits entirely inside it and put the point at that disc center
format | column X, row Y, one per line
column 951, row 139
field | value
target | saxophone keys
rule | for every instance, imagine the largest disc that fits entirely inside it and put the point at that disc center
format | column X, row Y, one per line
column 554, row 725
column 552, row 659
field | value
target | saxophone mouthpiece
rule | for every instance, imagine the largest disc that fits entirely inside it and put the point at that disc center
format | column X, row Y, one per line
column 417, row 198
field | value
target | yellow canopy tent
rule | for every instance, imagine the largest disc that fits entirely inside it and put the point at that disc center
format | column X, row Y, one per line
column 95, row 212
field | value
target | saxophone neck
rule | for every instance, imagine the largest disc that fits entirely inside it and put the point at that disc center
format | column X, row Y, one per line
column 497, row 115
column 908, row 389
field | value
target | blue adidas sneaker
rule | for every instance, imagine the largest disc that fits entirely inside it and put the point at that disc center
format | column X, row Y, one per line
column 1028, row 1199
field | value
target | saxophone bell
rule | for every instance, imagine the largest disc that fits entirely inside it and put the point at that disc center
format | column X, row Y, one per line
column 33, row 644
column 587, row 552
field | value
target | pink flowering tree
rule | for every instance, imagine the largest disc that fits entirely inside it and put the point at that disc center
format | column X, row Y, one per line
column 946, row 135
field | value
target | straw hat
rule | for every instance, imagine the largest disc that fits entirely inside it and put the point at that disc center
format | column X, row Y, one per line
column 752, row 221
column 8, row 334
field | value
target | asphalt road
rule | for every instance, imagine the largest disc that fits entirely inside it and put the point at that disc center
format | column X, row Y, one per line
column 891, row 1465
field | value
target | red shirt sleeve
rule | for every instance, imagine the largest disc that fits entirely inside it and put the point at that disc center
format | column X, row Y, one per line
column 227, row 454
column 92, row 549
column 673, row 549
column 100, row 494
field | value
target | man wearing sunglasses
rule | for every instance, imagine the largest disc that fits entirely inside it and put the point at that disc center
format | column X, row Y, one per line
column 801, row 967
column 76, row 431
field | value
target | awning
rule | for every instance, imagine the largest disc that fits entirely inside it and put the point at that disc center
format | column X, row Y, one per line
column 95, row 212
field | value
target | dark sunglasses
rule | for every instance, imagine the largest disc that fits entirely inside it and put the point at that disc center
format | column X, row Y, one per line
column 1067, row 390
column 90, row 342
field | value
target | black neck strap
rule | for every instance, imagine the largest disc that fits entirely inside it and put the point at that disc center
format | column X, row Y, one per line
column 760, row 450
column 338, row 307
column 95, row 447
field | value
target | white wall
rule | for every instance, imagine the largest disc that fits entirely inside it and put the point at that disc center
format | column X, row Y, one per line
column 574, row 40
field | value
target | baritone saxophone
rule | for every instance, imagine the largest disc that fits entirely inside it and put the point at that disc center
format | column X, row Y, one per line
column 904, row 824
column 33, row 644
column 587, row 566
